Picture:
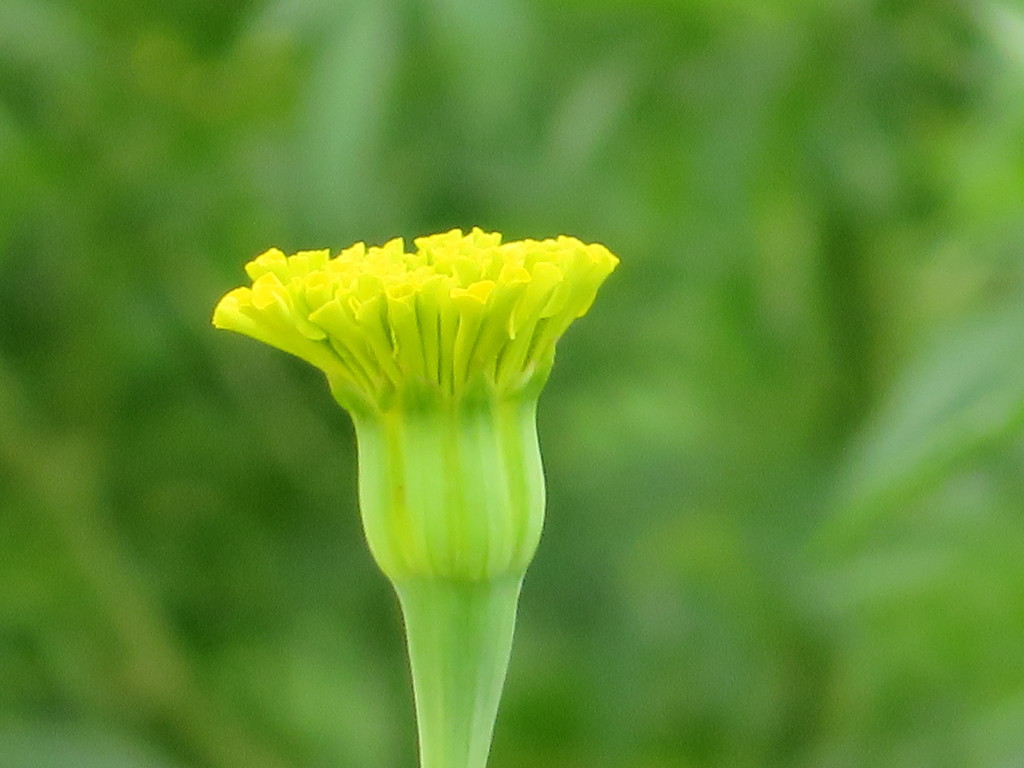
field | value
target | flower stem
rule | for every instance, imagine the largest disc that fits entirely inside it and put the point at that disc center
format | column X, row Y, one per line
column 460, row 638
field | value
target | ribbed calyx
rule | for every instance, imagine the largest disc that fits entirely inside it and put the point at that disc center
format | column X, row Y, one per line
column 452, row 489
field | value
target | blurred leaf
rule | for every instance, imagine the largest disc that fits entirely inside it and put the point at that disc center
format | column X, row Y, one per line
column 966, row 395
column 345, row 106
column 47, row 36
column 485, row 46
column 42, row 745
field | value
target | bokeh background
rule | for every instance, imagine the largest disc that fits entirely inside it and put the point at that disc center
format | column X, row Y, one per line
column 785, row 450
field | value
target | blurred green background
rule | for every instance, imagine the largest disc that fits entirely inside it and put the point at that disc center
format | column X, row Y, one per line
column 785, row 450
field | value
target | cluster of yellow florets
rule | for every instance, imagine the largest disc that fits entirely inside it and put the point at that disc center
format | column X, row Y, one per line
column 461, row 308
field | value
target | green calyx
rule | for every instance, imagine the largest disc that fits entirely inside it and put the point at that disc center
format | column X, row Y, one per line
column 452, row 489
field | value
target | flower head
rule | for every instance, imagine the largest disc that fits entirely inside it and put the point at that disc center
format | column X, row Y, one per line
column 460, row 311
column 439, row 355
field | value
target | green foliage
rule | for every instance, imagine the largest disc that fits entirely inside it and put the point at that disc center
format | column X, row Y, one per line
column 784, row 451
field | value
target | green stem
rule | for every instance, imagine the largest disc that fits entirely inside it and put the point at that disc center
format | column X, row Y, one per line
column 460, row 639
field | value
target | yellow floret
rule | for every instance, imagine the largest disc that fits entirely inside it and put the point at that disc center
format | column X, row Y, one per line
column 462, row 310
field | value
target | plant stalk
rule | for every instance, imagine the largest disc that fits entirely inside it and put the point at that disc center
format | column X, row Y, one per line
column 460, row 638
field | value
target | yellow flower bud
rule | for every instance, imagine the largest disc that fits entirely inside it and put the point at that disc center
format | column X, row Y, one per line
column 460, row 312
column 439, row 355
